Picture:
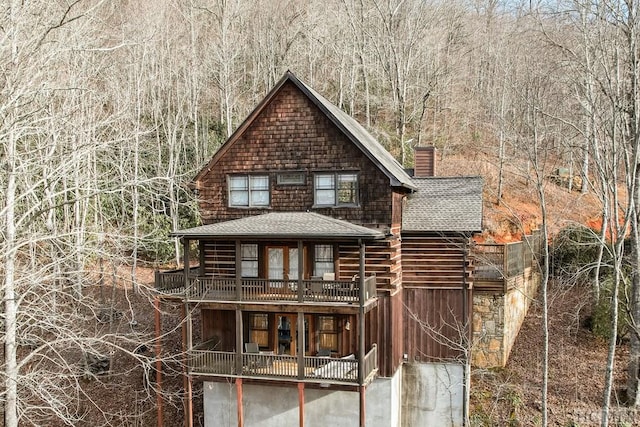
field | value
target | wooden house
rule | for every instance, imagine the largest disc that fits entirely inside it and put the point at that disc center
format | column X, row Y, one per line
column 323, row 270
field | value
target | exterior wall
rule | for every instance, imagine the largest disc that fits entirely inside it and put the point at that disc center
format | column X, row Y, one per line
column 432, row 394
column 435, row 261
column 416, row 396
column 276, row 406
column 435, row 324
column 385, row 326
column 384, row 402
column 292, row 134
column 382, row 258
column 497, row 319
column 436, row 280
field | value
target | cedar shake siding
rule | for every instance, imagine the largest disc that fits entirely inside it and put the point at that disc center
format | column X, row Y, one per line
column 291, row 134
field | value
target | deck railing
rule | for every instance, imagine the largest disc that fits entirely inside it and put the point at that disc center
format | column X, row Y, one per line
column 278, row 367
column 172, row 282
column 226, row 289
column 498, row 264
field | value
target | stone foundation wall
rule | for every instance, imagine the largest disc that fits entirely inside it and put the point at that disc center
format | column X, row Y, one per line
column 497, row 319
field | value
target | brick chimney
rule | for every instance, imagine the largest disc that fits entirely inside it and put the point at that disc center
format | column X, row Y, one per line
column 424, row 162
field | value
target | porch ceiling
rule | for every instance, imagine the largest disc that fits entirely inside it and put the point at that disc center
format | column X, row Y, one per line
column 282, row 225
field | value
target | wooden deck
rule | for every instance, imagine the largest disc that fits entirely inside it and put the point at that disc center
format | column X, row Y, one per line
column 205, row 288
column 283, row 367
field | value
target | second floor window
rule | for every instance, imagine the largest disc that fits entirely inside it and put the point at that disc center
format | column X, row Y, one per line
column 323, row 260
column 249, row 191
column 336, row 189
column 249, row 262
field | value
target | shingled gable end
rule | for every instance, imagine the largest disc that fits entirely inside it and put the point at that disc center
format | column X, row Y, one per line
column 357, row 134
column 297, row 296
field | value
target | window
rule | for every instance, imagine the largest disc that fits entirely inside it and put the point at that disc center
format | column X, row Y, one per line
column 327, row 333
column 323, row 260
column 249, row 191
column 249, row 262
column 291, row 178
column 336, row 189
column 259, row 330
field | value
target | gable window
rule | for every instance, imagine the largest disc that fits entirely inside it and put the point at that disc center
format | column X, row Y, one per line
column 336, row 189
column 249, row 262
column 290, row 178
column 323, row 260
column 248, row 190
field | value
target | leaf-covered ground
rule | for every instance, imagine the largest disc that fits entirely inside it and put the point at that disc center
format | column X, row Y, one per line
column 577, row 362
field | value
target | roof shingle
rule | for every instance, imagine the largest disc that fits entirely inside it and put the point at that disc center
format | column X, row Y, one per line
column 444, row 204
column 283, row 225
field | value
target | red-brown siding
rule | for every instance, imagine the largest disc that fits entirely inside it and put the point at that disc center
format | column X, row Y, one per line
column 292, row 134
column 436, row 280
column 385, row 326
column 220, row 324
column 435, row 324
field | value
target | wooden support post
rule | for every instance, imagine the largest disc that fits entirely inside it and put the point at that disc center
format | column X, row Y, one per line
column 158, row 351
column 238, row 270
column 239, row 399
column 301, row 344
column 301, row 403
column 188, row 419
column 185, row 268
column 300, row 271
column 201, row 270
column 361, row 330
column 363, row 406
column 239, row 342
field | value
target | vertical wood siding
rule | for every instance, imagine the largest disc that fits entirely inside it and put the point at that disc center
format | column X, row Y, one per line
column 436, row 276
column 221, row 324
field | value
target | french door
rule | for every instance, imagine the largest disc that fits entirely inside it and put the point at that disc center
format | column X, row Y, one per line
column 289, row 336
column 282, row 264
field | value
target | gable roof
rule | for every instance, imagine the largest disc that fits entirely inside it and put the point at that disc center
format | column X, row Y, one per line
column 347, row 125
column 283, row 225
column 444, row 204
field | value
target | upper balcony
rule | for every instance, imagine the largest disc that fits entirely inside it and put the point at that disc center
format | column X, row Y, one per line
column 202, row 288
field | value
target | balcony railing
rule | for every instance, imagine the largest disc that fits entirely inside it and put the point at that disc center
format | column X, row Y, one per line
column 279, row 367
column 226, row 289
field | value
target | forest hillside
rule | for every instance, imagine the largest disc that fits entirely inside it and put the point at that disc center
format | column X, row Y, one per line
column 109, row 108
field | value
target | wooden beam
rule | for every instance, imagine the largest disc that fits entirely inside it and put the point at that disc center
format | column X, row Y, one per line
column 300, row 271
column 300, row 342
column 238, row 270
column 239, row 341
column 188, row 419
column 363, row 406
column 301, row 403
column 361, row 331
column 239, row 402
column 158, row 351
column 201, row 271
column 272, row 307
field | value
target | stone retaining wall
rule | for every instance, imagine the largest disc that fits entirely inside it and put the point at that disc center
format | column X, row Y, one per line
column 497, row 319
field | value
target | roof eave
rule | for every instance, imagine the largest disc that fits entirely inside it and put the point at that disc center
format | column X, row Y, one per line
column 392, row 178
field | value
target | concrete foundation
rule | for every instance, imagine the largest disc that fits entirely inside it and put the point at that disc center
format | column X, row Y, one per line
column 432, row 395
column 418, row 395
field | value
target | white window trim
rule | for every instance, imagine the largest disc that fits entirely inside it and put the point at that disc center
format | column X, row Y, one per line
column 250, row 179
column 336, row 196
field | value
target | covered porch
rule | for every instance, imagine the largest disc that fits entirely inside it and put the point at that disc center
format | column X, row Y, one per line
column 297, row 257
